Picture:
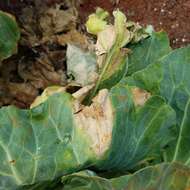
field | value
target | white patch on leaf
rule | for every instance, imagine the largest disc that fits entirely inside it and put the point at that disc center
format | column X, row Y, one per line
column 81, row 65
column 96, row 121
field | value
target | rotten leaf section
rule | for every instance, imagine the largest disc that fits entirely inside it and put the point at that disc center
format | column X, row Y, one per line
column 41, row 58
column 96, row 121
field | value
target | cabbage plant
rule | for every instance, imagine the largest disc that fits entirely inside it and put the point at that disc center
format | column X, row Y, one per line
column 128, row 128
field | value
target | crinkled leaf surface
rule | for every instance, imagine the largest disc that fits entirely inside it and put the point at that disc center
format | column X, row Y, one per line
column 170, row 79
column 165, row 176
column 119, row 183
column 86, row 180
column 148, row 51
column 141, row 132
column 45, row 142
column 40, row 144
column 9, row 35
column 81, row 65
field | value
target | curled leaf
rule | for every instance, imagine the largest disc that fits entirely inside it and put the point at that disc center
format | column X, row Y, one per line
column 46, row 93
column 96, row 21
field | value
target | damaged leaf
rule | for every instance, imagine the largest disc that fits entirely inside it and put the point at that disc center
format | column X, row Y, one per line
column 81, row 66
column 121, row 33
column 107, row 74
column 113, row 65
column 73, row 37
column 105, row 40
column 55, row 20
column 43, row 24
column 139, row 126
column 60, row 136
column 169, row 77
column 9, row 35
column 96, row 21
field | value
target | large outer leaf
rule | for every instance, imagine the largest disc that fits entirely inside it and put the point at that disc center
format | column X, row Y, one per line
column 85, row 180
column 170, row 79
column 46, row 142
column 9, row 35
column 120, row 183
column 161, row 177
column 88, row 180
column 140, row 133
column 40, row 144
column 148, row 51
column 165, row 176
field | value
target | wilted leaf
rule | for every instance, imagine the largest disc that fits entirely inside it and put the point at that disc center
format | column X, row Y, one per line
column 73, row 37
column 113, row 65
column 81, row 65
column 119, row 34
column 19, row 94
column 96, row 21
column 41, row 72
column 54, row 20
column 165, row 176
column 9, row 35
column 105, row 40
column 42, row 23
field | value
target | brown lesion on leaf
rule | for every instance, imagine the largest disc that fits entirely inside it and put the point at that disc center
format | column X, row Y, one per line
column 96, row 121
column 140, row 96
column 12, row 161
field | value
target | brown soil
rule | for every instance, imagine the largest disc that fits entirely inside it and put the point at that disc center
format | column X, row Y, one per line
column 173, row 16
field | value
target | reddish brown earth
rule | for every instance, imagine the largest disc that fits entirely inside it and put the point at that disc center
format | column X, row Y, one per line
column 173, row 16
